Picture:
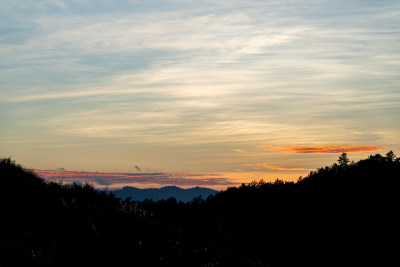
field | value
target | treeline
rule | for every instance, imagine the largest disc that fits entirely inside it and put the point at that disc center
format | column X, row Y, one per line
column 49, row 223
column 343, row 214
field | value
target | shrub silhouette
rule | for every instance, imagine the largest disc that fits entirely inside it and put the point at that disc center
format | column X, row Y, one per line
column 343, row 214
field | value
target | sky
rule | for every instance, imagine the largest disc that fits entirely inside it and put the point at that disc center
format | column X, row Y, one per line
column 196, row 93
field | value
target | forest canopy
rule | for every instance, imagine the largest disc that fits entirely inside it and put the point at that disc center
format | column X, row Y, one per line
column 339, row 214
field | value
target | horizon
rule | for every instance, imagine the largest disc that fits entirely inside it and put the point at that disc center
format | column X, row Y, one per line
column 117, row 181
column 196, row 93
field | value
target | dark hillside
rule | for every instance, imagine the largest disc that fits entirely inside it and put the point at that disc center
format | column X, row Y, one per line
column 341, row 215
column 55, row 224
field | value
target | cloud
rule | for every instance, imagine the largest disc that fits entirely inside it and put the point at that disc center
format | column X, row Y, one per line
column 314, row 149
column 261, row 166
column 123, row 179
column 102, row 181
column 238, row 150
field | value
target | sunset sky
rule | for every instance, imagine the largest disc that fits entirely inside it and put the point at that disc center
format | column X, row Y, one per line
column 196, row 93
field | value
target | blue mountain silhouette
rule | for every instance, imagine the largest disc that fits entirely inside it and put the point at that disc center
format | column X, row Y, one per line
column 165, row 192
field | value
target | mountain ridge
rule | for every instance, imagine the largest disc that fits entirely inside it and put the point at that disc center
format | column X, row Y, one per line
column 155, row 194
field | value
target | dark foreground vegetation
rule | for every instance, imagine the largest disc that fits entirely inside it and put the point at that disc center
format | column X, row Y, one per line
column 342, row 215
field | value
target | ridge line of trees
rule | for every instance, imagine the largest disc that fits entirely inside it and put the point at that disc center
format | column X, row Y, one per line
column 343, row 214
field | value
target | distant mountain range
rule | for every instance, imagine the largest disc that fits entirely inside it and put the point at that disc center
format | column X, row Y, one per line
column 166, row 192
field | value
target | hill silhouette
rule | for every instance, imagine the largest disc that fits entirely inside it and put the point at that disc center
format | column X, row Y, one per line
column 165, row 192
column 340, row 215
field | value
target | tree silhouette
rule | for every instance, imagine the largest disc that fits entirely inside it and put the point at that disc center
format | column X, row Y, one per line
column 343, row 160
column 390, row 156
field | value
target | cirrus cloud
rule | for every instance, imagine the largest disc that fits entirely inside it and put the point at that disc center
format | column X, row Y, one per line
column 261, row 166
column 238, row 150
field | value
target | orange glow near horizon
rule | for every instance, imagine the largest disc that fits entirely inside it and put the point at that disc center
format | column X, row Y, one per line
column 216, row 181
column 315, row 149
column 118, row 180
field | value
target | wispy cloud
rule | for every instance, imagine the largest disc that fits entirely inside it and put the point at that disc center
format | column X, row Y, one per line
column 260, row 166
column 315, row 149
column 238, row 150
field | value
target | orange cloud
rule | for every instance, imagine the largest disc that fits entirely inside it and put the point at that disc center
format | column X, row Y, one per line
column 267, row 166
column 261, row 166
column 238, row 150
column 312, row 149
